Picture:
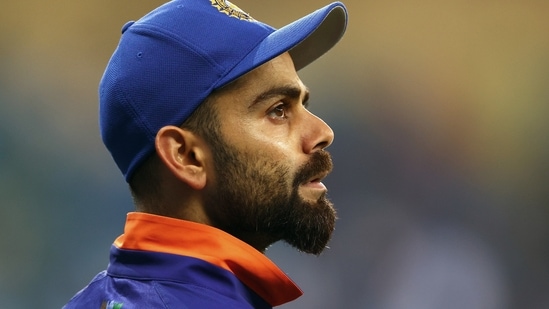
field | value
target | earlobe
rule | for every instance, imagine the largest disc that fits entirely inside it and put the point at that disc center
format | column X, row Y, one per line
column 183, row 153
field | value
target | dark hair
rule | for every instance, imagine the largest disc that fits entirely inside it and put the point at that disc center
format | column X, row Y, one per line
column 145, row 185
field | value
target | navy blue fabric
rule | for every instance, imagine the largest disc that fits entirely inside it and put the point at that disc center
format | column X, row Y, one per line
column 142, row 279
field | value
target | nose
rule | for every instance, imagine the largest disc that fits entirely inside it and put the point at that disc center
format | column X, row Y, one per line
column 318, row 134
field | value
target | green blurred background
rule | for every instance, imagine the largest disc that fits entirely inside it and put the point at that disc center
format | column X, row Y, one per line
column 441, row 153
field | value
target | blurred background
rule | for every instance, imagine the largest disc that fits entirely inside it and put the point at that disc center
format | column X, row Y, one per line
column 441, row 153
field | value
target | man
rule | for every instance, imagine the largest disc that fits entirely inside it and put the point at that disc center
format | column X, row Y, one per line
column 203, row 112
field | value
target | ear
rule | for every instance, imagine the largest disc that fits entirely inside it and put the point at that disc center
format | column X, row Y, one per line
column 184, row 154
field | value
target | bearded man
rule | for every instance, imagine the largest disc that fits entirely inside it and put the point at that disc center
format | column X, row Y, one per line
column 203, row 111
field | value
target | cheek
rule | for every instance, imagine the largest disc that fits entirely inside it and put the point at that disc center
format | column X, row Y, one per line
column 272, row 146
column 259, row 134
column 282, row 136
column 260, row 139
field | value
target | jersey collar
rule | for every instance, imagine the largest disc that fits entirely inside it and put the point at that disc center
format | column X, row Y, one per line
column 168, row 235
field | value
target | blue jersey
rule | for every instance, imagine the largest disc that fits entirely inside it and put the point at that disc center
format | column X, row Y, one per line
column 161, row 262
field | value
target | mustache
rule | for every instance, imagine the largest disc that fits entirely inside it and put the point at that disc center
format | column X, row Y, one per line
column 319, row 163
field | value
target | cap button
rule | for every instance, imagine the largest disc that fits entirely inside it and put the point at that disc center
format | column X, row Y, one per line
column 127, row 25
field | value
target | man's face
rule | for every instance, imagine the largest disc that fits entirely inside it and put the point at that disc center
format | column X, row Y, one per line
column 268, row 161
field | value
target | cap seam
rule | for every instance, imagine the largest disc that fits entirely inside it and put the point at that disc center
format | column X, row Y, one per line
column 136, row 115
column 157, row 29
column 228, row 71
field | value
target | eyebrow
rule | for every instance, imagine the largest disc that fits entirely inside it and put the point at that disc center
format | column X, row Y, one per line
column 289, row 91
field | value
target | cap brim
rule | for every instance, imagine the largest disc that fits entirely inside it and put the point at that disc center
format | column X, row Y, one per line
column 306, row 39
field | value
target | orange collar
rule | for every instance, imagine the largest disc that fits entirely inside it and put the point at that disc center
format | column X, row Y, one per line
column 168, row 235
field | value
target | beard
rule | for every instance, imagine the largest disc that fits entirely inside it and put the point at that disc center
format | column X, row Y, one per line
column 255, row 198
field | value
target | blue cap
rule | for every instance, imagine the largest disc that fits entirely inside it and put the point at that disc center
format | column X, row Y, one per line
column 169, row 61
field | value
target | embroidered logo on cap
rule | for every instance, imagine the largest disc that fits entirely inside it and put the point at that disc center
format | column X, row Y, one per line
column 230, row 9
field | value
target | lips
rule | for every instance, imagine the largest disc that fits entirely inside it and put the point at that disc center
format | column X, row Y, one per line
column 318, row 178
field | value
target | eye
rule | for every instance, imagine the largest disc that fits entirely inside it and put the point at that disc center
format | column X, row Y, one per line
column 279, row 111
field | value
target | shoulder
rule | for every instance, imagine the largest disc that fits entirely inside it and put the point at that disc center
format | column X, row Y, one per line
column 175, row 294
column 106, row 292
